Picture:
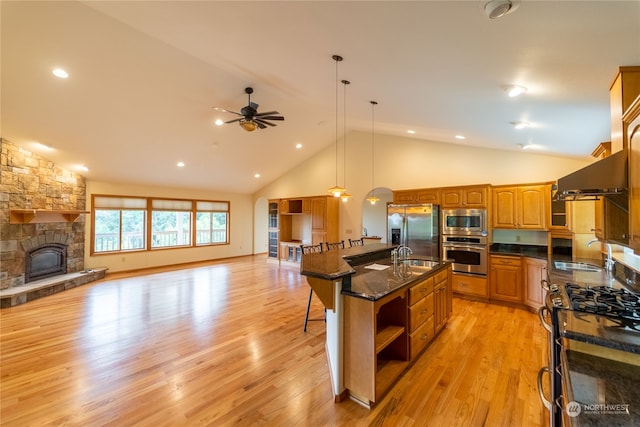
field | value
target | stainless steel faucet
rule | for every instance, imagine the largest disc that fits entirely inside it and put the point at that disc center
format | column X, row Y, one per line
column 403, row 251
column 609, row 262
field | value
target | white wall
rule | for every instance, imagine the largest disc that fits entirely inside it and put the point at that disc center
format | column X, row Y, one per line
column 240, row 233
column 404, row 163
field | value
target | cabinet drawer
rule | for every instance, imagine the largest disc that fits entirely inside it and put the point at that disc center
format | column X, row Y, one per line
column 470, row 285
column 500, row 260
column 440, row 276
column 419, row 339
column 420, row 290
column 420, row 312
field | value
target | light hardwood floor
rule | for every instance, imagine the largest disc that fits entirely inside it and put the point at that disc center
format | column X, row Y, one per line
column 222, row 344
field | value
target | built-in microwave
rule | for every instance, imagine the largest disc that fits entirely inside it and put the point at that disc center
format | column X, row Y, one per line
column 464, row 222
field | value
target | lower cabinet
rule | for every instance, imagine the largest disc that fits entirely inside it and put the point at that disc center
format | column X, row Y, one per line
column 382, row 337
column 475, row 286
column 535, row 270
column 505, row 278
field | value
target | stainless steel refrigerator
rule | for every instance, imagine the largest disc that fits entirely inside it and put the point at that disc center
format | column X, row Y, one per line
column 416, row 226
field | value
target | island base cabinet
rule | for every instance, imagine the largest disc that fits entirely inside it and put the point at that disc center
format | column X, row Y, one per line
column 375, row 343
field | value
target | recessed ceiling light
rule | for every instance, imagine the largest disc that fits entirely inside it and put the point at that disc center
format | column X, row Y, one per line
column 298, row 146
column 180, row 164
column 256, row 175
column 219, row 122
column 460, row 137
column 520, row 124
column 515, row 90
column 60, row 73
column 412, row 132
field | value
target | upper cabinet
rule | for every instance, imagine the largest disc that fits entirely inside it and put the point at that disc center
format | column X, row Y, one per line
column 295, row 206
column 623, row 92
column 324, row 219
column 424, row 195
column 632, row 122
column 521, row 207
column 471, row 197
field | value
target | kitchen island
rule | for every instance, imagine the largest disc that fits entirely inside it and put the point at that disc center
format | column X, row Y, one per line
column 381, row 314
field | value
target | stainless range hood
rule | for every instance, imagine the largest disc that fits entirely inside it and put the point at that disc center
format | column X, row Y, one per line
column 606, row 177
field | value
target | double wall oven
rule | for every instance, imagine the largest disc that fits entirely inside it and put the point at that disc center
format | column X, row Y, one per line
column 464, row 240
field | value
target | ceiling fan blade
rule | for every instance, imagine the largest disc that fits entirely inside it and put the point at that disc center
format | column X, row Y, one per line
column 270, row 117
column 261, row 121
column 234, row 120
column 226, row 111
column 268, row 113
column 260, row 124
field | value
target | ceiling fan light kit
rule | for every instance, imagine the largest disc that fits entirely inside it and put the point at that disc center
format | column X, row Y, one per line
column 250, row 119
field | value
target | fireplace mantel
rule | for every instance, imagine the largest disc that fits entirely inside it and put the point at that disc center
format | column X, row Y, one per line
column 31, row 216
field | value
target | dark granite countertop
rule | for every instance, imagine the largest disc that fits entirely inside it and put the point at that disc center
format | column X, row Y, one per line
column 606, row 390
column 532, row 251
column 334, row 264
column 599, row 330
column 374, row 284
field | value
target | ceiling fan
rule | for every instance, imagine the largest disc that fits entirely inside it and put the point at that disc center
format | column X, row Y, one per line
column 249, row 118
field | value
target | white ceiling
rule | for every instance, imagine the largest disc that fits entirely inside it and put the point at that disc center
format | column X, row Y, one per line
column 145, row 76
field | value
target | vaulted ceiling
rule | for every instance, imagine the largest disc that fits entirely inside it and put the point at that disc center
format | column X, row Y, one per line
column 144, row 78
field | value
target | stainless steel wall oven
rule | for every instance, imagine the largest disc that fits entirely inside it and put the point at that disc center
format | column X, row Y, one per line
column 469, row 253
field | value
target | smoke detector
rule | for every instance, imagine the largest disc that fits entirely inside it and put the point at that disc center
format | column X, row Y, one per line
column 498, row 8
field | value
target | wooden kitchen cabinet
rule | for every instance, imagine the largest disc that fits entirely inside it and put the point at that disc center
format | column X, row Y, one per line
column 376, row 344
column 632, row 124
column 421, row 320
column 425, row 195
column 505, row 278
column 324, row 219
column 474, row 286
column 442, row 299
column 521, row 207
column 623, row 93
column 469, row 197
column 535, row 270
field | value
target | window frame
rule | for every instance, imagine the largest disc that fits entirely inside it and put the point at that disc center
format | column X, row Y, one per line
column 148, row 225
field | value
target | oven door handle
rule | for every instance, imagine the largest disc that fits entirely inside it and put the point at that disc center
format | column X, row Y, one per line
column 546, row 402
column 479, row 248
column 542, row 313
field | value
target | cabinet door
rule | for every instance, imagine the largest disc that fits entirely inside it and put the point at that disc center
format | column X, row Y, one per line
column 634, row 181
column 532, row 207
column 599, row 218
column 318, row 213
column 505, row 279
column 534, row 271
column 505, row 207
column 452, row 198
column 405, row 196
column 284, row 206
column 475, row 197
column 428, row 196
column 440, row 306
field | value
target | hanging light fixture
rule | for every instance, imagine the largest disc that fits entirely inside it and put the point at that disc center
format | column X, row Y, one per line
column 372, row 198
column 336, row 190
column 344, row 196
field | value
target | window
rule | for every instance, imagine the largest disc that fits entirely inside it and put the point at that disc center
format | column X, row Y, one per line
column 122, row 223
column 211, row 222
column 119, row 224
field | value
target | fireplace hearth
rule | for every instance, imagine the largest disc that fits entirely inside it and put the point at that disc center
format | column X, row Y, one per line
column 45, row 261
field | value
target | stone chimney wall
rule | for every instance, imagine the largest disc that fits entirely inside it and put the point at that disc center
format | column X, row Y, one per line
column 28, row 181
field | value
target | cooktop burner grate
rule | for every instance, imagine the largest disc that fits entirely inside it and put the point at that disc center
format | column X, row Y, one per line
column 604, row 300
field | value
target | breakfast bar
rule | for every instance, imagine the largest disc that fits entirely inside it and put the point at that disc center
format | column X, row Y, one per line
column 381, row 314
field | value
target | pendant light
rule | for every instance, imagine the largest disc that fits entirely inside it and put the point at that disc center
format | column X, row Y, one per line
column 372, row 198
column 336, row 190
column 344, row 196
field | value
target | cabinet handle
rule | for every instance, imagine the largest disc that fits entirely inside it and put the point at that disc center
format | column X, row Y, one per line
column 423, row 290
column 424, row 337
column 423, row 311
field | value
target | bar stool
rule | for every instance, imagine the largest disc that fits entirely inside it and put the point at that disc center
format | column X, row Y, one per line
column 310, row 249
column 336, row 245
column 356, row 242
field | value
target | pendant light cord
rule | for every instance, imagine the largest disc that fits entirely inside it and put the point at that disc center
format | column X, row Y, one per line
column 373, row 105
